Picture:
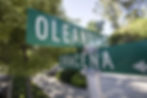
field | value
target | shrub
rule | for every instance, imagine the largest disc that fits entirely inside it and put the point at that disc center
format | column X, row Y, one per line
column 19, row 89
column 72, row 77
column 78, row 80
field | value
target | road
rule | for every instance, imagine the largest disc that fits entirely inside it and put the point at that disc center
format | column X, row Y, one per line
column 113, row 86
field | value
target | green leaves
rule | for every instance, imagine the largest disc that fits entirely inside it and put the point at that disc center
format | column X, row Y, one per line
column 134, row 31
column 128, row 10
column 18, row 57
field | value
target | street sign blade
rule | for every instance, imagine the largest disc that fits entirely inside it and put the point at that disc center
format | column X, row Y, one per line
column 47, row 30
column 128, row 59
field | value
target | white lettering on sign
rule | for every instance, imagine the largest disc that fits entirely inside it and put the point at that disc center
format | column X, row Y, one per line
column 76, row 63
column 71, row 61
column 64, row 61
column 140, row 66
column 90, row 36
column 42, row 31
column 41, row 35
column 54, row 32
column 94, row 60
column 80, row 60
column 83, row 37
column 75, row 36
column 107, row 62
column 65, row 34
column 68, row 60
column 83, row 59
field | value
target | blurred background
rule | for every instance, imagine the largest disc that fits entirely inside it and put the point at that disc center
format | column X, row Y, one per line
column 33, row 72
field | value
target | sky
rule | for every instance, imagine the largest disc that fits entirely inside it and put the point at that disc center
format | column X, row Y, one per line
column 83, row 10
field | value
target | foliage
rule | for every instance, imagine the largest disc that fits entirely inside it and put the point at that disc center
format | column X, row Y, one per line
column 133, row 32
column 72, row 77
column 20, row 89
column 38, row 93
column 92, row 26
column 19, row 58
column 115, row 10
column 78, row 80
column 95, row 26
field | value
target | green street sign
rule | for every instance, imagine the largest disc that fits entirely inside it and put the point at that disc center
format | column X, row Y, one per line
column 47, row 30
column 128, row 58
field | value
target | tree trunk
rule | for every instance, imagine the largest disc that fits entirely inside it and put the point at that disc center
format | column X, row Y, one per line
column 10, row 89
column 29, row 88
column 28, row 83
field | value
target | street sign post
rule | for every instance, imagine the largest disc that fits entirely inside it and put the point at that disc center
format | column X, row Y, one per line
column 128, row 59
column 94, row 83
column 44, row 29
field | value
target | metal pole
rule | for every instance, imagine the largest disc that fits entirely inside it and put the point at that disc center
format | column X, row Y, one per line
column 94, row 85
column 93, row 79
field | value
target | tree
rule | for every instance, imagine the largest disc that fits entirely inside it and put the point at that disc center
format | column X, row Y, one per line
column 95, row 26
column 20, row 59
column 132, row 32
column 118, row 10
column 92, row 26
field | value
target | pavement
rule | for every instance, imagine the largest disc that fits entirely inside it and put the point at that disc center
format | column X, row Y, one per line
column 113, row 86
